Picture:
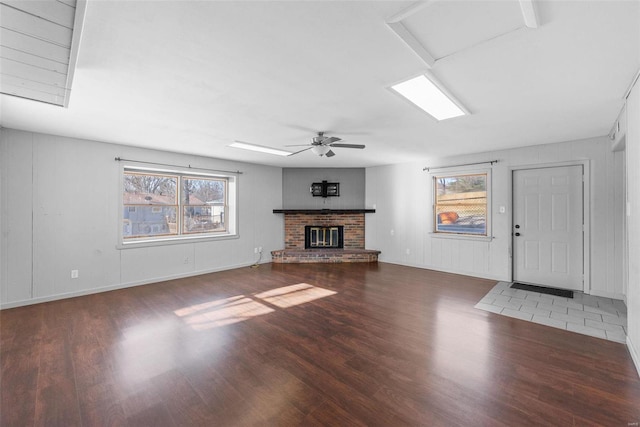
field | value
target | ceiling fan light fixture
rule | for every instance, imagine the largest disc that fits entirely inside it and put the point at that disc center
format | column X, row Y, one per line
column 320, row 150
column 430, row 96
column 259, row 148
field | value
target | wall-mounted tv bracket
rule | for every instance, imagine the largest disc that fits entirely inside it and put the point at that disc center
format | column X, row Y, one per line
column 325, row 189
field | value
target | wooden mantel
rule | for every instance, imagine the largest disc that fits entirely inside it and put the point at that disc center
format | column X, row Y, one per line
column 323, row 211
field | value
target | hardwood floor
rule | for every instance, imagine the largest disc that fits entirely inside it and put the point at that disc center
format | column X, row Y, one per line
column 305, row 344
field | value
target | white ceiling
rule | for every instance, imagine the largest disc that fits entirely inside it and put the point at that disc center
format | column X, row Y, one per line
column 193, row 77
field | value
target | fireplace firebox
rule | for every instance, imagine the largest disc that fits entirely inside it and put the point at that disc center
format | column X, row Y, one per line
column 323, row 237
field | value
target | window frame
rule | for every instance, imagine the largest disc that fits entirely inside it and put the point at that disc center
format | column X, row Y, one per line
column 434, row 176
column 230, row 206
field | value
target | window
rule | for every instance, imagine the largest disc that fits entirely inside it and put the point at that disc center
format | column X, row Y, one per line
column 203, row 204
column 158, row 205
column 461, row 204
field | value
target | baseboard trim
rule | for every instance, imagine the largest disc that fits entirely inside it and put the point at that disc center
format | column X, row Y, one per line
column 605, row 294
column 91, row 291
column 444, row 270
column 634, row 354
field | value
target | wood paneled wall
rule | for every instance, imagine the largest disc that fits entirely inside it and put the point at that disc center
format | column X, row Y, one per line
column 62, row 198
column 403, row 222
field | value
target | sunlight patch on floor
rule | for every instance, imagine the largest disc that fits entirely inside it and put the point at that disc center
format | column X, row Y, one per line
column 228, row 314
column 289, row 296
column 227, row 311
column 199, row 307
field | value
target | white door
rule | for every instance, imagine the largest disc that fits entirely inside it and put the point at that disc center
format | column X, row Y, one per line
column 548, row 227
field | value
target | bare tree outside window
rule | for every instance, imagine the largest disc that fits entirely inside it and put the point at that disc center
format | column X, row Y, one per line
column 150, row 184
column 150, row 205
column 204, row 203
column 158, row 204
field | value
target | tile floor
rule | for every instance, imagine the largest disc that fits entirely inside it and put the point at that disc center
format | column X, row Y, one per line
column 585, row 314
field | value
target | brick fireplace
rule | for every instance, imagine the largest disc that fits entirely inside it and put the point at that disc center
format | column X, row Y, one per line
column 353, row 223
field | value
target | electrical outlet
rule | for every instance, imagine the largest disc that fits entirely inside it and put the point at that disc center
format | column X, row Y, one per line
column 408, row 251
column 74, row 274
column 392, row 232
column 255, row 250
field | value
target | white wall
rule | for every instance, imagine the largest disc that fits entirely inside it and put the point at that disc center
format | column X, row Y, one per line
column 633, row 223
column 296, row 183
column 402, row 195
column 60, row 204
column 620, row 232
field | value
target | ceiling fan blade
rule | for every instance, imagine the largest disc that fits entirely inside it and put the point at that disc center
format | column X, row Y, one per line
column 348, row 145
column 330, row 140
column 305, row 149
column 330, row 154
column 298, row 145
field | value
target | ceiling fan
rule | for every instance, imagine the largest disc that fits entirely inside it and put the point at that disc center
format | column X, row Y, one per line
column 321, row 145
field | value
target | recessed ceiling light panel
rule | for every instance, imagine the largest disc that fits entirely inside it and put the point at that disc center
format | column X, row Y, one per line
column 428, row 96
column 259, row 148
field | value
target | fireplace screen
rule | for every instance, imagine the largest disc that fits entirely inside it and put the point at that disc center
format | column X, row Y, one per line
column 323, row 237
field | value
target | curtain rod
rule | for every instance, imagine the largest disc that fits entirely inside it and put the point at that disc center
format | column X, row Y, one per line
column 120, row 159
column 455, row 166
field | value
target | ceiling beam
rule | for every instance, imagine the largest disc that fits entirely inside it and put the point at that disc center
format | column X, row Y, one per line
column 405, row 13
column 396, row 25
column 529, row 15
column 402, row 32
column 631, row 85
column 78, row 24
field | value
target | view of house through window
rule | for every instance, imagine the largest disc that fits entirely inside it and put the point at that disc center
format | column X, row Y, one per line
column 159, row 204
column 203, row 204
column 461, row 204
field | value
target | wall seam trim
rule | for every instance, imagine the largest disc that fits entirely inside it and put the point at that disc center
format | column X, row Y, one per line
column 33, row 235
column 634, row 354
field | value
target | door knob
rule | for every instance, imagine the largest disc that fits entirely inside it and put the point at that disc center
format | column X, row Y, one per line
column 517, row 234
column 517, row 226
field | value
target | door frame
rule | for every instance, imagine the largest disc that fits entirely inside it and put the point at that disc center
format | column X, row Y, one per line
column 586, row 214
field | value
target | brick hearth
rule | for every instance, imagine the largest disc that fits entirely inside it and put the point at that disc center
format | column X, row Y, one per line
column 294, row 251
column 297, row 256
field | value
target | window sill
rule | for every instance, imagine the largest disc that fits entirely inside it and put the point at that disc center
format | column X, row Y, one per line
column 461, row 237
column 174, row 241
